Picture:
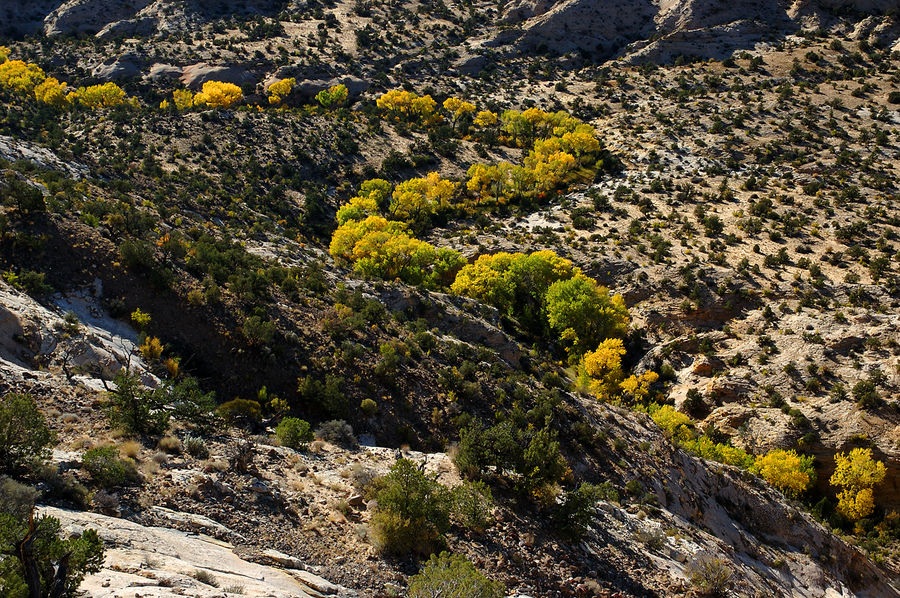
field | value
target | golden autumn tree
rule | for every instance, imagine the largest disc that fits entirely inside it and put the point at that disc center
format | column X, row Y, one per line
column 602, row 368
column 419, row 197
column 786, row 470
column 183, row 99
column 52, row 92
column 21, row 77
column 218, row 94
column 458, row 110
column 857, row 473
column 105, row 95
column 280, row 90
column 407, row 106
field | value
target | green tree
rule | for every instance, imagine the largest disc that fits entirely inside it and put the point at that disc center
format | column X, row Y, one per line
column 294, row 432
column 25, row 438
column 136, row 409
column 584, row 314
column 413, row 509
column 452, row 576
column 35, row 562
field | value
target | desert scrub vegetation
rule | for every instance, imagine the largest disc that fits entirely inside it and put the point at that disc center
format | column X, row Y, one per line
column 34, row 544
column 109, row 470
column 25, row 438
column 415, row 511
column 452, row 576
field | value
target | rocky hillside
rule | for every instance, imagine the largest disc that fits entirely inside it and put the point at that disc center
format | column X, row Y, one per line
column 737, row 186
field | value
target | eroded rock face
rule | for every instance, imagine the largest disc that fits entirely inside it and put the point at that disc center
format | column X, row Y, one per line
column 89, row 16
column 660, row 30
column 33, row 336
column 157, row 562
column 195, row 75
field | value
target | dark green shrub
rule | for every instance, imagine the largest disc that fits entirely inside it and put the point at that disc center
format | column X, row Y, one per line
column 25, row 439
column 108, row 469
column 337, row 431
column 472, row 505
column 327, row 395
column 27, row 198
column 454, row 577
column 137, row 255
column 413, row 510
column 191, row 405
column 866, row 394
column 33, row 549
column 576, row 512
column 136, row 409
column 257, row 331
column 294, row 432
column 533, row 454
column 241, row 412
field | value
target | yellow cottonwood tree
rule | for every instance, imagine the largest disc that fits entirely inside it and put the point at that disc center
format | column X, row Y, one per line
column 603, row 367
column 485, row 119
column 405, row 105
column 279, row 90
column 21, row 77
column 183, row 99
column 421, row 196
column 218, row 94
column 786, row 470
column 458, row 109
column 99, row 96
column 857, row 473
column 52, row 92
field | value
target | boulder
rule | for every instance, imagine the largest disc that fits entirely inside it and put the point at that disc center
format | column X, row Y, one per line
column 195, row 75
column 124, row 67
column 160, row 72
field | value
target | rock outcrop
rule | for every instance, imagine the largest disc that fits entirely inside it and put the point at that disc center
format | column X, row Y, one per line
column 157, row 562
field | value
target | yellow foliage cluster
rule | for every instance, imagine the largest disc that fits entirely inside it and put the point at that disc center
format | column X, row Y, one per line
column 21, row 77
column 638, row 387
column 458, row 109
column 857, row 473
column 29, row 79
column 485, row 119
column 674, row 423
column 382, row 248
column 279, row 90
column 406, row 105
column 705, row 448
column 52, row 92
column 373, row 194
column 420, row 196
column 218, row 94
column 524, row 128
column 99, row 96
column 182, row 98
column 602, row 368
column 513, row 282
column 151, row 348
column 786, row 470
